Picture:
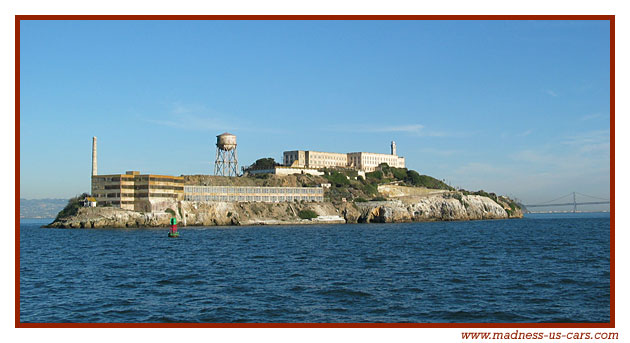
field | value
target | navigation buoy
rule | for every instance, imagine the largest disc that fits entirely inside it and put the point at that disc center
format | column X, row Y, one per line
column 173, row 231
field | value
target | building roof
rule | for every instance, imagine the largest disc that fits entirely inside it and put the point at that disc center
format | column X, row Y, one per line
column 138, row 175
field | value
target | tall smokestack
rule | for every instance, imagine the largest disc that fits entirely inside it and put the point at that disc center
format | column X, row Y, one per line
column 94, row 171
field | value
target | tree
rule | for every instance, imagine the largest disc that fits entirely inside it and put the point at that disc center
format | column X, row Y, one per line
column 72, row 207
column 264, row 163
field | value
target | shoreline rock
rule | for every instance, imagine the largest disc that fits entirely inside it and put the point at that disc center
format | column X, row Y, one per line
column 190, row 213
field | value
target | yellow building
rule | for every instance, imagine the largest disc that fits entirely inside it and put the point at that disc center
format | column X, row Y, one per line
column 137, row 192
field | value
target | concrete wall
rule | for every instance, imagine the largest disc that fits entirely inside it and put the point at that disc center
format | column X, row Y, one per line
column 287, row 171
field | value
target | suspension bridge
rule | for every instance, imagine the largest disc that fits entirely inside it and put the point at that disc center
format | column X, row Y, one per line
column 568, row 202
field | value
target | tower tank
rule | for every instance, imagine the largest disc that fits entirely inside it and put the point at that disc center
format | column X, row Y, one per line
column 226, row 162
column 226, row 141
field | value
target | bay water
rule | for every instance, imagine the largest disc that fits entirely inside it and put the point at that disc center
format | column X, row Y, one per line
column 542, row 268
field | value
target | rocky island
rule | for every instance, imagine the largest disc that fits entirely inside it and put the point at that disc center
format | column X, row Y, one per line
column 386, row 195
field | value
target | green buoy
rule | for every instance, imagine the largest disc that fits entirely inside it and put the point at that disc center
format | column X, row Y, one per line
column 173, row 231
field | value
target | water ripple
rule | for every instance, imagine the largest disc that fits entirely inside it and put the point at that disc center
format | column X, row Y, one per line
column 530, row 270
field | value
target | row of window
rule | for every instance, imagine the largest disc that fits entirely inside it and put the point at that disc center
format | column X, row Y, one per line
column 163, row 179
column 252, row 190
column 137, row 195
column 262, row 198
column 156, row 195
column 175, row 188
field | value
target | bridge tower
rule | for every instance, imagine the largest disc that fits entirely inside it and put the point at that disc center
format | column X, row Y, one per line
column 574, row 203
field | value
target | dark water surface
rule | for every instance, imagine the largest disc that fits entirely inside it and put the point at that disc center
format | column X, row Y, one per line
column 543, row 268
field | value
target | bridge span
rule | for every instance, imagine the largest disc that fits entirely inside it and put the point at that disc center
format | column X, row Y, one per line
column 574, row 203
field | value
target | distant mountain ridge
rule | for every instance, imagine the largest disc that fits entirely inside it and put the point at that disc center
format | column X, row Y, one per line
column 41, row 208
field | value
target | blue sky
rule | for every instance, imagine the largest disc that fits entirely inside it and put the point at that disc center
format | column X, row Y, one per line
column 515, row 107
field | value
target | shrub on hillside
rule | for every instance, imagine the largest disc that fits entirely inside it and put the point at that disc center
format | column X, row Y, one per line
column 426, row 181
column 399, row 173
column 413, row 177
column 337, row 179
column 307, row 214
column 370, row 188
column 72, row 207
column 377, row 174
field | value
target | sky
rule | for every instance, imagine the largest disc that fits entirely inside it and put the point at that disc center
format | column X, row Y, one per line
column 520, row 108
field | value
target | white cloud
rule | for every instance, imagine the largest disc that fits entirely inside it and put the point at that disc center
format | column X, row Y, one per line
column 201, row 118
column 551, row 92
column 590, row 116
column 193, row 122
column 416, row 128
column 596, row 137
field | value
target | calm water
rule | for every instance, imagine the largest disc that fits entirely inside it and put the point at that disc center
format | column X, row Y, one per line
column 544, row 268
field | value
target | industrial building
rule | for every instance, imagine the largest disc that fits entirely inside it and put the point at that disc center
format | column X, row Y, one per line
column 363, row 161
column 133, row 191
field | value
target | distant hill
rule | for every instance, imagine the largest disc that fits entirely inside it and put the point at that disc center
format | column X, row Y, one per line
column 41, row 208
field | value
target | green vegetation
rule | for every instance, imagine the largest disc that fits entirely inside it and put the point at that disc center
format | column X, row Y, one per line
column 346, row 183
column 375, row 175
column 458, row 196
column 501, row 200
column 511, row 203
column 170, row 210
column 263, row 163
column 369, row 188
column 307, row 214
column 428, row 182
column 399, row 173
column 404, row 176
column 72, row 207
column 336, row 178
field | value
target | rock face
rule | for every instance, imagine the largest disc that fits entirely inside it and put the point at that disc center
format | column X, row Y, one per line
column 470, row 207
column 189, row 213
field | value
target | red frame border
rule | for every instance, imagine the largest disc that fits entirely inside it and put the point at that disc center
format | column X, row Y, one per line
column 610, row 18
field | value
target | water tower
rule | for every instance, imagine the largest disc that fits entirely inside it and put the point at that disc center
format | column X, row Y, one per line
column 226, row 163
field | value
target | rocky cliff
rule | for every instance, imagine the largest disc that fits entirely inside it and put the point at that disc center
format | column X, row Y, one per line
column 469, row 207
column 189, row 213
